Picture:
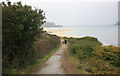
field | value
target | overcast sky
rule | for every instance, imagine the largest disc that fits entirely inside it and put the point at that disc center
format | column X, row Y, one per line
column 77, row 12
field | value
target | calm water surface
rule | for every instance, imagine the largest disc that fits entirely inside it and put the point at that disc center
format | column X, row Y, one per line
column 108, row 35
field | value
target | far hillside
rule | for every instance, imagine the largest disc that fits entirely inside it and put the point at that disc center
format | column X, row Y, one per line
column 50, row 24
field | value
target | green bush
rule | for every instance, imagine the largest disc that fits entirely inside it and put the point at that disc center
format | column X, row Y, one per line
column 83, row 47
column 93, row 57
column 108, row 53
column 45, row 44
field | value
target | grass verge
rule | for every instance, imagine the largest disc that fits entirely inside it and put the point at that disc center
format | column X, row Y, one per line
column 75, row 62
column 67, row 63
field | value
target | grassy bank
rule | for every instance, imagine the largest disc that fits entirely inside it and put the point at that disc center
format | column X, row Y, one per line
column 44, row 48
column 90, row 57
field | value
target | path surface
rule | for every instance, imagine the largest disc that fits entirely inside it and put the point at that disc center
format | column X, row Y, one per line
column 54, row 63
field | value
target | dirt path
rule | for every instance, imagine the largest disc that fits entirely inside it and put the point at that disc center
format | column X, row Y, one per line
column 54, row 63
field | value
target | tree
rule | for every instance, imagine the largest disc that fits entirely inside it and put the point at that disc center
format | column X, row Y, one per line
column 20, row 28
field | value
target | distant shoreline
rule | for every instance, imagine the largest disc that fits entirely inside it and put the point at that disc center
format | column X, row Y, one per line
column 59, row 32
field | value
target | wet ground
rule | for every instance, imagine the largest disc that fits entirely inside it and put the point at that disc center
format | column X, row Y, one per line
column 54, row 63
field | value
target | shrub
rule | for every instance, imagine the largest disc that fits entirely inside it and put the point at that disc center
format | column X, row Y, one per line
column 108, row 53
column 93, row 56
column 45, row 44
column 83, row 47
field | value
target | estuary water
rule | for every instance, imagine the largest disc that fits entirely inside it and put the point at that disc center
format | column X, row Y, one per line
column 107, row 34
